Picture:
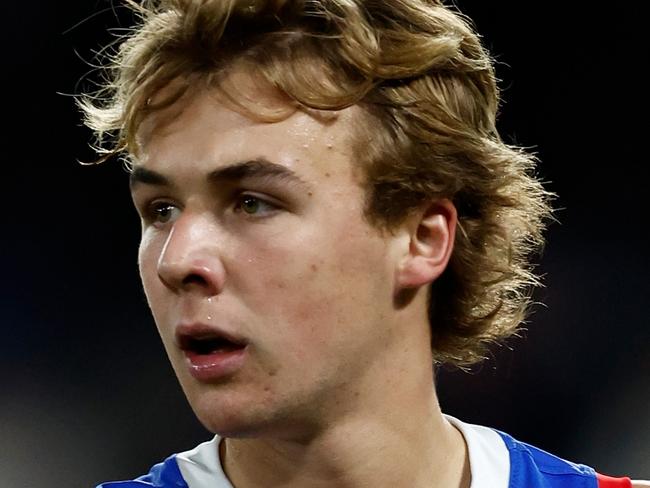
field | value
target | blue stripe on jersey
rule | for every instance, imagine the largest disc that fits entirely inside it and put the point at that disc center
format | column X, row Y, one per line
column 531, row 467
column 162, row 475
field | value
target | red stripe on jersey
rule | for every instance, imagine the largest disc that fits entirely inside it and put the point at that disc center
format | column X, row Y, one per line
column 609, row 482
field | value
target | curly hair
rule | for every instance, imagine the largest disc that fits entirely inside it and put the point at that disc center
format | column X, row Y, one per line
column 428, row 90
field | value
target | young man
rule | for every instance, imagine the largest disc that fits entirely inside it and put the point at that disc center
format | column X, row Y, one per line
column 327, row 211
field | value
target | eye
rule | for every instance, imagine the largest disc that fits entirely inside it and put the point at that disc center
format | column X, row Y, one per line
column 160, row 213
column 253, row 206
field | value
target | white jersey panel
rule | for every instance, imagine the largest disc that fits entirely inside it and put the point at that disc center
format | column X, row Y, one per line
column 489, row 459
column 201, row 467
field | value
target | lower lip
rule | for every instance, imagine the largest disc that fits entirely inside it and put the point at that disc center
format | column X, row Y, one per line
column 215, row 366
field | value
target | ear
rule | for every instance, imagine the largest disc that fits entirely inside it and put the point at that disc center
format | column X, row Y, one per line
column 430, row 235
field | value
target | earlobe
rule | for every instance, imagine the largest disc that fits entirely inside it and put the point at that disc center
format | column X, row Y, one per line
column 431, row 241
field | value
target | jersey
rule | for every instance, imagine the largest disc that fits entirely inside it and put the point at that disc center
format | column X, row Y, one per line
column 496, row 460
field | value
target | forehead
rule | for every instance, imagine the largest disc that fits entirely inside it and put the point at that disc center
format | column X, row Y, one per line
column 231, row 122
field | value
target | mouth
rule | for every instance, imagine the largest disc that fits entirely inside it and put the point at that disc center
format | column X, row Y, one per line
column 211, row 354
column 209, row 345
column 206, row 339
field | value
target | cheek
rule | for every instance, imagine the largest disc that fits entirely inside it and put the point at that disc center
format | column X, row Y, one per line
column 151, row 246
column 148, row 255
column 325, row 288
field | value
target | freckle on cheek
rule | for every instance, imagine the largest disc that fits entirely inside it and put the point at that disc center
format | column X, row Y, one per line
column 314, row 267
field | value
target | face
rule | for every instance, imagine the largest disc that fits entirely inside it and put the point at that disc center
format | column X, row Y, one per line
column 273, row 296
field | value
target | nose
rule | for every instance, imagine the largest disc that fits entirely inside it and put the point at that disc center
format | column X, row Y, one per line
column 190, row 260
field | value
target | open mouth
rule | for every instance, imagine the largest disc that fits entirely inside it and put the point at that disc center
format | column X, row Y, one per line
column 203, row 341
column 212, row 355
column 209, row 345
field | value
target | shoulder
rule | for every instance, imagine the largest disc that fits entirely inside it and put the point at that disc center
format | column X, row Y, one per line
column 162, row 475
column 199, row 467
column 531, row 466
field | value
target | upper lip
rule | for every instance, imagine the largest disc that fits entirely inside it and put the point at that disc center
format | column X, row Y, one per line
column 188, row 332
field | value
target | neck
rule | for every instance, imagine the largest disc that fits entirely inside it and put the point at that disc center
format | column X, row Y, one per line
column 415, row 450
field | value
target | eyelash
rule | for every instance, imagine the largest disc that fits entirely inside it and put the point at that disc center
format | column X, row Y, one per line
column 242, row 197
column 154, row 208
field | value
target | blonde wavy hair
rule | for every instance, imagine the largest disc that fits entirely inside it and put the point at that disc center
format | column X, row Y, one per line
column 428, row 89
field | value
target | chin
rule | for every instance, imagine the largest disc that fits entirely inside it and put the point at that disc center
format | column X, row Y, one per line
column 226, row 423
column 229, row 415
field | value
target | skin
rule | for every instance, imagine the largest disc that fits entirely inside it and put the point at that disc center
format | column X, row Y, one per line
column 337, row 386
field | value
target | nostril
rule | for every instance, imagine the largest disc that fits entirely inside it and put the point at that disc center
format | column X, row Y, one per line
column 194, row 279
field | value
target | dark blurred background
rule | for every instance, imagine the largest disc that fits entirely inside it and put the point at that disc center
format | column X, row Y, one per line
column 87, row 394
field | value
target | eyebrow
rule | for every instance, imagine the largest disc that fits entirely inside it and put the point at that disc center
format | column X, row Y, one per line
column 139, row 175
column 254, row 168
